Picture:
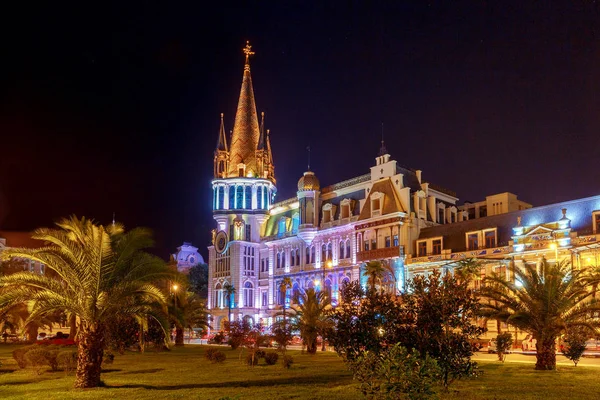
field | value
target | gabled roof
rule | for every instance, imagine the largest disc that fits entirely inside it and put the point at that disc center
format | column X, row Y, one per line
column 391, row 201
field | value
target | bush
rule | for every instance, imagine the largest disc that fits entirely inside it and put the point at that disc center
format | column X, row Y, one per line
column 503, row 343
column 209, row 353
column 396, row 373
column 108, row 359
column 260, row 353
column 574, row 346
column 251, row 360
column 271, row 358
column 218, row 357
column 67, row 360
column 37, row 358
column 219, row 338
column 19, row 355
column 287, row 361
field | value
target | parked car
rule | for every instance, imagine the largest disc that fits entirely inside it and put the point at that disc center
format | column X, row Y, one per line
column 529, row 343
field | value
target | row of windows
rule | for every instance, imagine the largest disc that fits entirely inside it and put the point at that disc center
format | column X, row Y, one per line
column 389, row 241
column 474, row 241
column 249, row 260
column 240, row 197
column 221, row 297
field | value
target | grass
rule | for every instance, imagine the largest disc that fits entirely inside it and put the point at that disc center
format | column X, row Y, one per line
column 184, row 373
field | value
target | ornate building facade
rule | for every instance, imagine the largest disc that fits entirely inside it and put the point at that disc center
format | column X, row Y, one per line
column 324, row 235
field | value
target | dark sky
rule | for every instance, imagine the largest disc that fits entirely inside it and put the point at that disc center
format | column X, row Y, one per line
column 108, row 109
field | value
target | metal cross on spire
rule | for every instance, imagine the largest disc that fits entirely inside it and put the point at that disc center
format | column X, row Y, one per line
column 382, row 150
column 248, row 51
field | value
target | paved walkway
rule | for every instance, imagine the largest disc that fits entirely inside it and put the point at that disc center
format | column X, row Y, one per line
column 530, row 359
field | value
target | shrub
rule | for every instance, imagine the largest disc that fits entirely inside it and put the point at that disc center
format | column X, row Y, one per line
column 251, row 360
column 37, row 358
column 271, row 358
column 209, row 353
column 109, row 358
column 51, row 358
column 67, row 360
column 218, row 357
column 396, row 373
column 287, row 361
column 19, row 355
column 503, row 343
column 260, row 353
column 219, row 338
column 574, row 346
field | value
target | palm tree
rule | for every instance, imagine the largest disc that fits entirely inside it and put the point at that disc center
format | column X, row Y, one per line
column 189, row 313
column 545, row 302
column 230, row 292
column 285, row 284
column 309, row 316
column 102, row 272
column 376, row 270
column 468, row 269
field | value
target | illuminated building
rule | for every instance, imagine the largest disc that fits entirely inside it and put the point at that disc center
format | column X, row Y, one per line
column 187, row 256
column 324, row 235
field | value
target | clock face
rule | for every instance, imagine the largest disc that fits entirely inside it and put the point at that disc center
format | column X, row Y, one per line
column 221, row 242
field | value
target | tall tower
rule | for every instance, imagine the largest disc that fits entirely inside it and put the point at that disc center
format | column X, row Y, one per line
column 243, row 190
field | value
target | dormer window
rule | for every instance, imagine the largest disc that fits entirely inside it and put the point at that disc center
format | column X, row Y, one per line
column 436, row 246
column 241, row 170
column 328, row 213
column 422, row 249
column 326, row 216
column 376, row 204
column 473, row 241
column 345, row 211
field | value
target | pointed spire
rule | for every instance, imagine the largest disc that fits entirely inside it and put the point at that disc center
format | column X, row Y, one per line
column 222, row 142
column 261, row 138
column 244, row 140
column 113, row 221
column 269, row 154
column 382, row 149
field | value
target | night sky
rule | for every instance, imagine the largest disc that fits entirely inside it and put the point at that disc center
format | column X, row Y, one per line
column 117, row 108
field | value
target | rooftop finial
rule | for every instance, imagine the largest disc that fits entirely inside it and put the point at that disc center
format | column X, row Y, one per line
column 382, row 149
column 248, row 51
column 308, row 150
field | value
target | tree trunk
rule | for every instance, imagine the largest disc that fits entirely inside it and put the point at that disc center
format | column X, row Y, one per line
column 72, row 327
column 311, row 346
column 90, row 351
column 32, row 332
column 546, row 354
column 179, row 335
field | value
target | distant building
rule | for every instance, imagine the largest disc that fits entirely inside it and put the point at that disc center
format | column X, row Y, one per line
column 22, row 239
column 187, row 256
column 493, row 205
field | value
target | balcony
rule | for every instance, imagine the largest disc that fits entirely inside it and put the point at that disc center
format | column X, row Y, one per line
column 377, row 254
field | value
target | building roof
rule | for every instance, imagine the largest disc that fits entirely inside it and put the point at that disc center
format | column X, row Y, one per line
column 222, row 142
column 308, row 182
column 391, row 201
column 244, row 139
column 578, row 211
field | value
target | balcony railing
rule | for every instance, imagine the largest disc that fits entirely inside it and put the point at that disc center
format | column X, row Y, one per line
column 376, row 254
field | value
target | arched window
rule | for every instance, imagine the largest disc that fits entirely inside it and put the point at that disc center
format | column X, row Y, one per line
column 328, row 287
column 218, row 296
column 323, row 253
column 259, row 197
column 221, row 196
column 295, row 292
column 265, row 199
column 295, row 223
column 307, row 254
column 312, row 254
column 282, row 260
column 348, row 252
column 329, row 251
column 248, row 198
column 239, row 197
column 231, row 197
column 297, row 256
column 293, row 258
column 341, row 255
column 278, row 260
column 248, row 295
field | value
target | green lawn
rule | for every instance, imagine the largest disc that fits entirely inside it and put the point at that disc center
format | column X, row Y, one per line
column 185, row 374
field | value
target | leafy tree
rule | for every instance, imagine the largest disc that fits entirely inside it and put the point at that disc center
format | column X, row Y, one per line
column 396, row 372
column 187, row 313
column 281, row 332
column 238, row 332
column 309, row 316
column 103, row 273
column 198, row 280
column 574, row 345
column 229, row 292
column 122, row 333
column 545, row 302
column 503, row 343
column 366, row 320
column 468, row 269
column 443, row 308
